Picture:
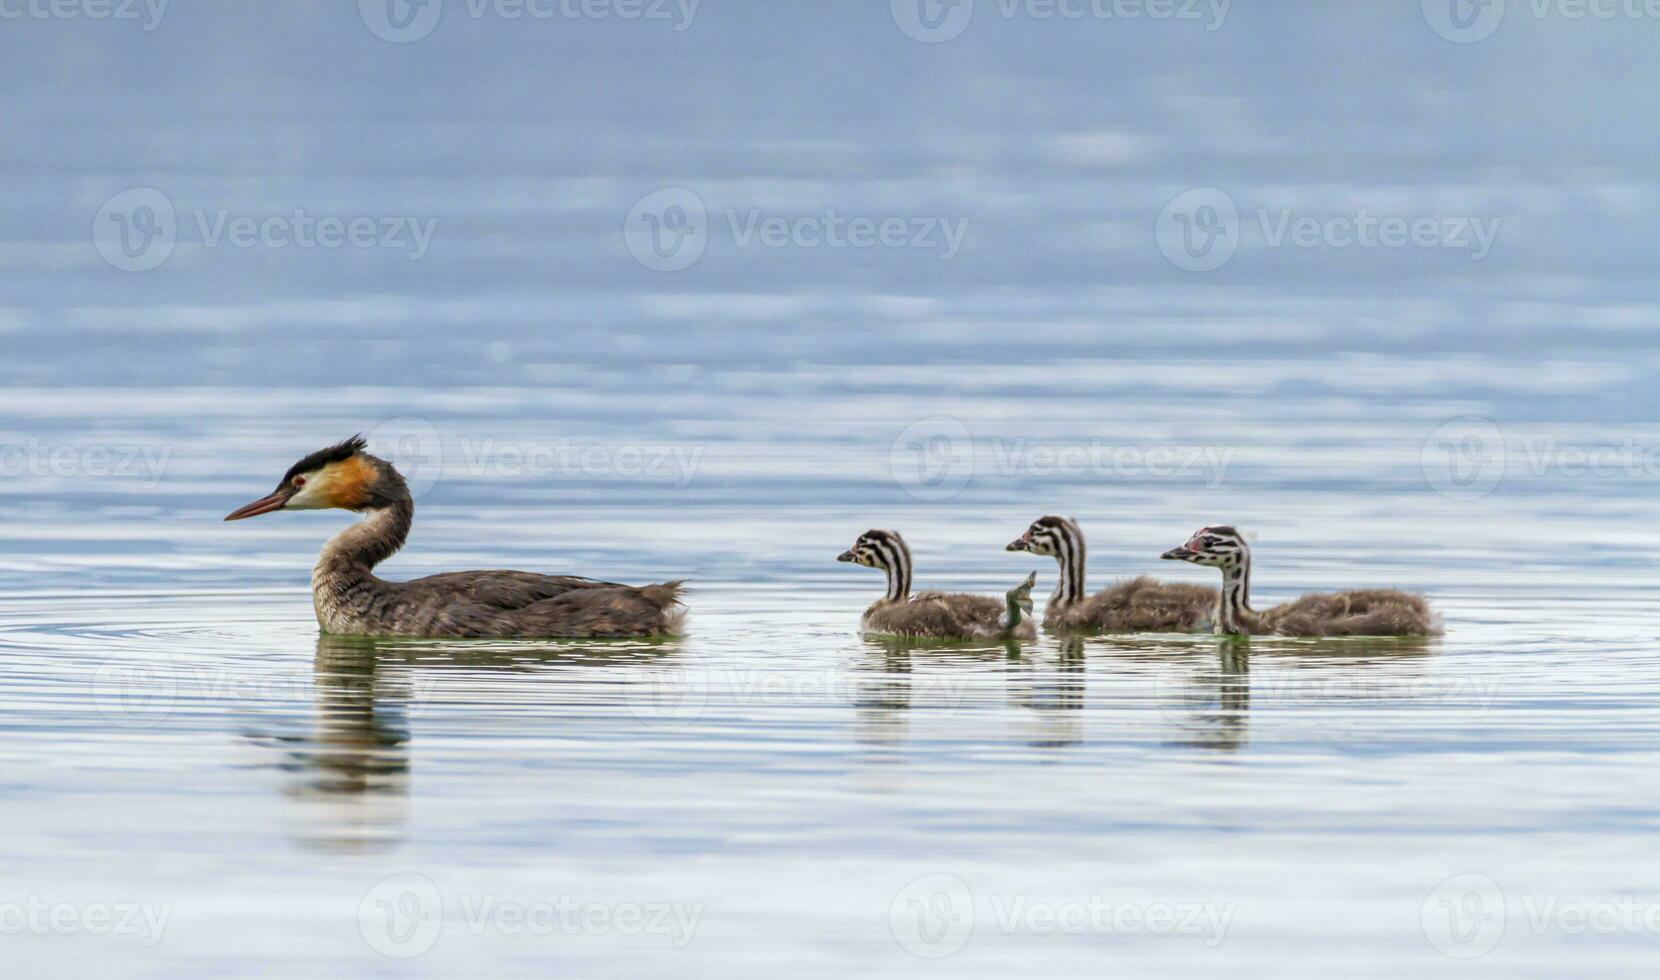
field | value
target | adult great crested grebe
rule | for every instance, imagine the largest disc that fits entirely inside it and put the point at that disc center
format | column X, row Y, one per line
column 1137, row 605
column 351, row 600
column 1358, row 612
column 937, row 615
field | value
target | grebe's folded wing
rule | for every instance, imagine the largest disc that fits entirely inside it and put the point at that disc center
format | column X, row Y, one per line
column 505, row 589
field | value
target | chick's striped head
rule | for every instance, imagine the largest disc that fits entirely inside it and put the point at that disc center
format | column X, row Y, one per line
column 1054, row 536
column 1219, row 547
column 878, row 549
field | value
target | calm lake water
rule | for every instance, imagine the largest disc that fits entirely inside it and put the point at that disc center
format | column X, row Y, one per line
column 196, row 784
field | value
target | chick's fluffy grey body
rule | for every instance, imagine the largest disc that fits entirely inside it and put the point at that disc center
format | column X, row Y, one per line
column 1356, row 612
column 1359, row 612
column 937, row 615
column 944, row 615
column 1137, row 605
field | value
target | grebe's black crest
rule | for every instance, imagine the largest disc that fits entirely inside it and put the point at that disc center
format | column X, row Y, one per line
column 336, row 453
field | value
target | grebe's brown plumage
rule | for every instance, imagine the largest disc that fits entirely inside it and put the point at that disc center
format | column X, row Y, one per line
column 350, row 599
column 1137, row 605
column 1357, row 612
column 939, row 615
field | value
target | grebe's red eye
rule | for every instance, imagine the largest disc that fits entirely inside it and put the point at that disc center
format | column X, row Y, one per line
column 299, row 481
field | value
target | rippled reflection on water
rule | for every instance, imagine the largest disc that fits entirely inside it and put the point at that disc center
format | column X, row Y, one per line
column 178, row 737
column 211, row 751
column 178, row 734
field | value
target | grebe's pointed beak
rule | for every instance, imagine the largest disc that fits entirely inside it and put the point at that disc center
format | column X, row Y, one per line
column 845, row 556
column 1022, row 543
column 263, row 505
column 1184, row 553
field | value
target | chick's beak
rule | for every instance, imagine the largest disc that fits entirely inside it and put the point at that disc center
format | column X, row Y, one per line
column 1022, row 543
column 263, row 505
column 845, row 556
column 1184, row 553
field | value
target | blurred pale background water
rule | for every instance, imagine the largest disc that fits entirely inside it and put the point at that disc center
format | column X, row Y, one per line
column 706, row 294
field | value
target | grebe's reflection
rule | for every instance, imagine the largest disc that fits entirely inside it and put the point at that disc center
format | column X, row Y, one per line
column 361, row 734
column 900, row 674
column 352, row 771
column 1212, row 700
column 1051, row 688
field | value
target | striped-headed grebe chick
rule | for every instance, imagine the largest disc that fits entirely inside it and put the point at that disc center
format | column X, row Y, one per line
column 940, row 615
column 1137, row 605
column 1358, row 612
column 350, row 600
